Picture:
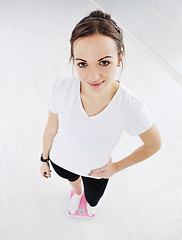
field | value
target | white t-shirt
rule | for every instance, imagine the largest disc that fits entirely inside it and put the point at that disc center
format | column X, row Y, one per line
column 84, row 143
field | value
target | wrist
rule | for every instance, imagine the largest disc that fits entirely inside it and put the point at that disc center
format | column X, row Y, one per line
column 45, row 163
column 116, row 170
column 45, row 156
column 43, row 159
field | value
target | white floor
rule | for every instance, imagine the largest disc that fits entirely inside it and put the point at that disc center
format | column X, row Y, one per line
column 157, row 23
column 141, row 202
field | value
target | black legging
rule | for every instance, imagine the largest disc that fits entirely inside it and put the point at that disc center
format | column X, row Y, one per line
column 93, row 188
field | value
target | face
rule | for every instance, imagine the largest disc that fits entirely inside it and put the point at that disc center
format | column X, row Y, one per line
column 96, row 61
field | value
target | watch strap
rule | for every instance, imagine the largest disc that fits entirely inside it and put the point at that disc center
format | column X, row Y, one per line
column 44, row 160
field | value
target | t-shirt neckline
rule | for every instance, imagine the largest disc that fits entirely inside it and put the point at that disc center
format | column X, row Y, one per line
column 104, row 110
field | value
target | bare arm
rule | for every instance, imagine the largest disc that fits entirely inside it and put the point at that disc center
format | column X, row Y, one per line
column 152, row 143
column 47, row 143
column 49, row 133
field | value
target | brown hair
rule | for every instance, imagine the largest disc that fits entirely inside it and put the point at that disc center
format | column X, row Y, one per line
column 97, row 26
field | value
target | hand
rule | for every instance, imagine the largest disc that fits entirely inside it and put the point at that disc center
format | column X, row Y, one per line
column 45, row 170
column 105, row 172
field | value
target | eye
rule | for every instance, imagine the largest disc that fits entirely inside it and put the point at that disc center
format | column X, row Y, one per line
column 80, row 65
column 105, row 62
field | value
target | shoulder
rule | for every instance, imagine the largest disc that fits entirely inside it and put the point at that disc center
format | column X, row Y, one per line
column 63, row 82
column 62, row 85
column 130, row 100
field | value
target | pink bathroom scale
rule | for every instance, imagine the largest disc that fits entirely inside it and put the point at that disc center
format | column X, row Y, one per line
column 82, row 210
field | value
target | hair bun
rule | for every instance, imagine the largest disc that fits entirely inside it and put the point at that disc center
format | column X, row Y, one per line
column 101, row 14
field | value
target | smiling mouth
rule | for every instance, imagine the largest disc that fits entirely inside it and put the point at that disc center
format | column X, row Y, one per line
column 95, row 84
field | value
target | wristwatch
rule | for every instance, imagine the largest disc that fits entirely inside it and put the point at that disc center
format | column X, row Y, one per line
column 44, row 160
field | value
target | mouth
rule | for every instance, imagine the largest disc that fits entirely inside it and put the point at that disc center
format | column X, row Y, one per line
column 96, row 84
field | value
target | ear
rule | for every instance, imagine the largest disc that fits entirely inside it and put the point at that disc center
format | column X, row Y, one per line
column 120, row 59
column 119, row 62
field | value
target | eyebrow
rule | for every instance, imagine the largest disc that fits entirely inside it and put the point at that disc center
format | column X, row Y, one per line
column 98, row 60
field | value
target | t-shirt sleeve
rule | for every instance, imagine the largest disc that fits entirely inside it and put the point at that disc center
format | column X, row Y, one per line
column 141, row 122
column 50, row 97
column 52, row 103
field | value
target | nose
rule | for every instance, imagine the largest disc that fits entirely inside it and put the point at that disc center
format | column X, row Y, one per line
column 93, row 75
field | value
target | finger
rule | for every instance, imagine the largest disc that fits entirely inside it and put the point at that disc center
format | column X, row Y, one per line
column 98, row 170
column 97, row 173
column 45, row 173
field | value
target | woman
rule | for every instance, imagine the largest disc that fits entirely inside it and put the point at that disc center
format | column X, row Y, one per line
column 87, row 115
